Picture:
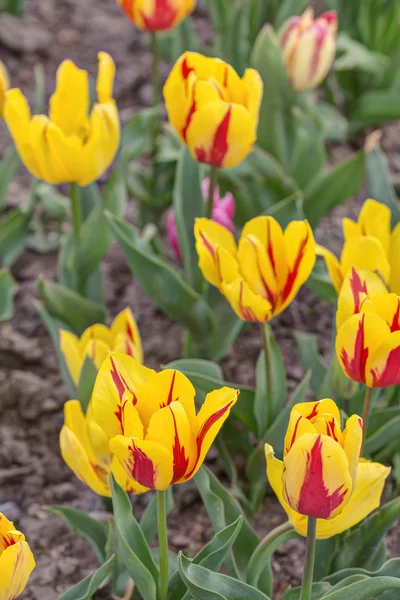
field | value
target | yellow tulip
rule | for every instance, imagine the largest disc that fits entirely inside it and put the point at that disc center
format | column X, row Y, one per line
column 321, row 475
column 261, row 276
column 308, row 47
column 213, row 110
column 368, row 337
column 369, row 245
column 16, row 560
column 151, row 422
column 157, row 15
column 85, row 449
column 70, row 145
column 4, row 85
column 98, row 340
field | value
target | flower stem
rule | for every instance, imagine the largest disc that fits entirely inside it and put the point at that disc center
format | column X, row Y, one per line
column 155, row 79
column 213, row 184
column 306, row 586
column 366, row 411
column 163, row 545
column 76, row 209
column 266, row 336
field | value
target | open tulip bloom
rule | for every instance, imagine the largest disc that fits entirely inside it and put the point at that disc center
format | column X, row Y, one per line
column 321, row 475
column 70, row 145
column 212, row 109
column 157, row 15
column 261, row 276
column 16, row 560
column 98, row 341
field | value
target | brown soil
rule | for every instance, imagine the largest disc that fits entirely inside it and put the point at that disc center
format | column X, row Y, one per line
column 32, row 473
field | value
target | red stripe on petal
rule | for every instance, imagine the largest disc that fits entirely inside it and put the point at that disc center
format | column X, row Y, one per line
column 314, row 412
column 118, row 380
column 170, row 393
column 208, row 245
column 219, row 146
column 292, row 275
column 357, row 288
column 186, row 70
column 391, row 373
column 163, row 17
column 355, row 366
column 189, row 119
column 295, row 24
column 141, row 467
column 181, row 461
column 292, row 441
column 322, row 30
column 270, row 296
column 314, row 498
column 395, row 326
column 246, row 312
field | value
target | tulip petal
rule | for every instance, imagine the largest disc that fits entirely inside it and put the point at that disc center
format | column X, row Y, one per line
column 383, row 365
column 332, row 265
column 98, row 332
column 275, row 475
column 77, row 424
column 52, row 166
column 69, row 105
column 115, row 394
column 357, row 286
column 311, row 410
column 356, row 341
column 257, row 270
column 105, row 78
column 66, row 151
column 211, row 417
column 351, row 229
column 298, row 425
column 97, row 351
column 178, row 92
column 125, row 480
column 209, row 237
column 170, row 427
column 221, row 134
column 163, row 388
column 352, row 442
column 125, row 323
column 17, row 115
column 313, row 56
column 365, row 253
column 316, row 478
column 5, row 527
column 394, row 257
column 146, row 462
column 388, row 307
column 253, row 86
column 247, row 305
column 69, row 345
column 374, row 221
column 16, row 565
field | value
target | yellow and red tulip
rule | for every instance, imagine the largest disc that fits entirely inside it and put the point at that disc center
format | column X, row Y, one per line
column 151, row 422
column 85, row 449
column 213, row 110
column 4, row 85
column 368, row 341
column 70, row 145
column 321, row 475
column 308, row 47
column 16, row 560
column 98, row 340
column 157, row 15
column 369, row 245
column 261, row 276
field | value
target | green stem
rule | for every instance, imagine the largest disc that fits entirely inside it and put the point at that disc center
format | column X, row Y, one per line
column 309, row 560
column 163, row 545
column 213, row 185
column 76, row 209
column 155, row 79
column 366, row 411
column 266, row 336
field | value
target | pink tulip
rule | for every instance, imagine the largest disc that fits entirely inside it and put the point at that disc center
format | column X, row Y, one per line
column 223, row 213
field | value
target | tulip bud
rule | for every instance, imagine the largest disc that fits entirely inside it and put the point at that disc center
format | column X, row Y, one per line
column 308, row 47
column 16, row 560
column 4, row 84
column 157, row 15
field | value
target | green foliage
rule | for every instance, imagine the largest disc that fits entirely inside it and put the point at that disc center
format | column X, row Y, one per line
column 85, row 589
column 8, row 289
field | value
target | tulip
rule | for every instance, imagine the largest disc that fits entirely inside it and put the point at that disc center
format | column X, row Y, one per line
column 223, row 213
column 308, row 47
column 151, row 422
column 369, row 245
column 70, row 145
column 261, row 276
column 157, row 15
column 16, row 560
column 85, row 449
column 4, row 85
column 321, row 475
column 98, row 340
column 213, row 110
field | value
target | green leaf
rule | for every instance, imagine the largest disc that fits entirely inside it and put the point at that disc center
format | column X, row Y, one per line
column 354, row 55
column 138, row 557
column 391, row 568
column 385, row 434
column 8, row 289
column 317, row 592
column 204, row 584
column 375, row 107
column 287, row 9
column 85, row 527
column 208, row 368
column 85, row 589
column 14, row 229
column 333, row 187
column 378, row 179
column 188, row 204
column 148, row 522
column 364, row 589
column 335, row 125
column 164, row 286
column 136, row 134
column 8, row 169
column 69, row 307
column 321, row 285
column 311, row 359
column 86, row 382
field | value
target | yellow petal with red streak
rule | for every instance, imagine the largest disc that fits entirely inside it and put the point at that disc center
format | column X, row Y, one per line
column 124, row 480
column 247, row 305
column 394, row 258
column 69, row 345
column 147, row 463
column 311, row 410
column 316, row 478
column 332, row 265
column 388, row 307
column 352, row 442
column 327, row 425
column 125, row 323
column 209, row 237
column 365, row 253
column 98, row 332
column 298, row 426
column 257, row 270
column 16, row 565
column 383, row 365
column 358, row 285
column 97, row 351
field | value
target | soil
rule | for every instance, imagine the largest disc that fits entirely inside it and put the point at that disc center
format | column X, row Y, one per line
column 32, row 473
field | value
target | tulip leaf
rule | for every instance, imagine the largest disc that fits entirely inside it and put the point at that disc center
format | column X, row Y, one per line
column 363, row 590
column 137, row 556
column 14, row 229
column 197, row 366
column 164, row 286
column 211, row 556
column 317, row 592
column 148, row 521
column 333, row 187
column 8, row 169
column 8, row 289
column 359, row 546
column 187, row 186
column 311, row 359
column 287, row 9
column 86, row 382
column 385, row 434
column 375, row 107
column 321, row 285
column 85, row 589
column 378, row 179
column 136, row 134
column 69, row 307
column 287, row 210
column 85, row 527
column 391, row 568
